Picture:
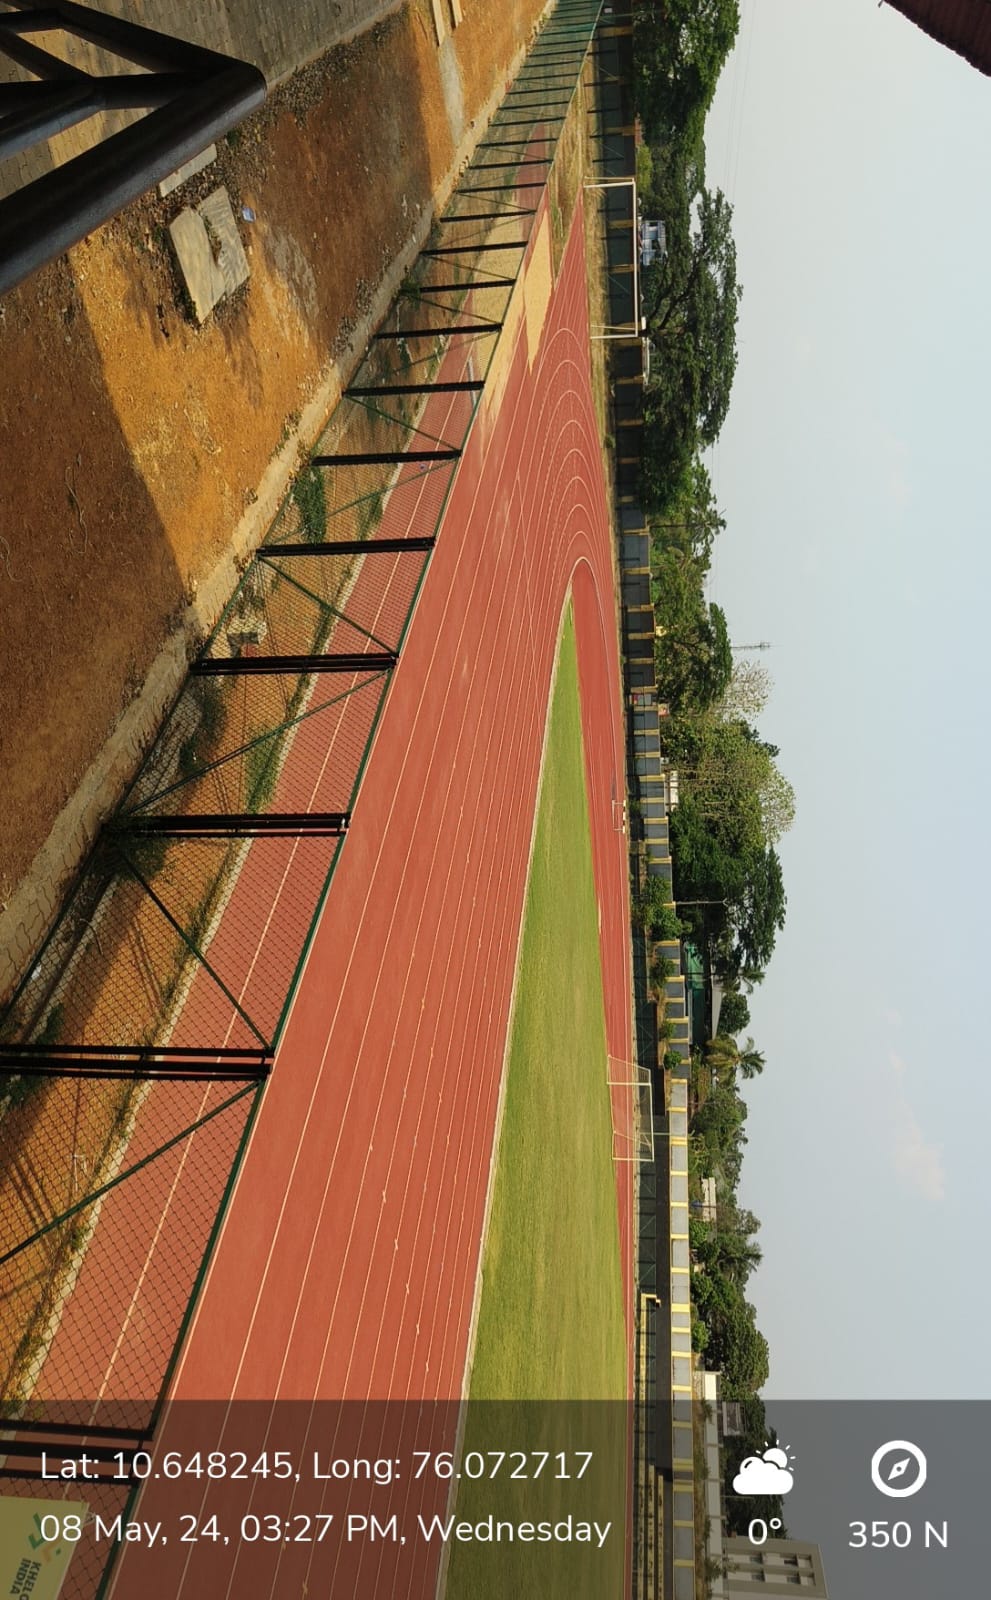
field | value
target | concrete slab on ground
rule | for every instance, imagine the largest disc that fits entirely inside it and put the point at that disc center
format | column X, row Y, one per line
column 209, row 252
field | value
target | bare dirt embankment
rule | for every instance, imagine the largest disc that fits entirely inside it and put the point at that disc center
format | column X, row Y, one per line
column 143, row 456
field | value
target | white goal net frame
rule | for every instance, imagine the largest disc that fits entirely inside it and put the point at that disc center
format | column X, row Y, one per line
column 631, row 1104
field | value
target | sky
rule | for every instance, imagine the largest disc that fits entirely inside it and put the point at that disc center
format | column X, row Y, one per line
column 854, row 472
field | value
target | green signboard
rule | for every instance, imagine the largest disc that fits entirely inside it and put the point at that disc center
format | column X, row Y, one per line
column 34, row 1550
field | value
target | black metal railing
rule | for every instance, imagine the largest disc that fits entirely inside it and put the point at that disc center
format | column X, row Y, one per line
column 191, row 96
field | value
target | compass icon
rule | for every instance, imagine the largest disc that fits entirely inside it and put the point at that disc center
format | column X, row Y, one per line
column 898, row 1469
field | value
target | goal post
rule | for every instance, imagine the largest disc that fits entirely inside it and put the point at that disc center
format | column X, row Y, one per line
column 631, row 1104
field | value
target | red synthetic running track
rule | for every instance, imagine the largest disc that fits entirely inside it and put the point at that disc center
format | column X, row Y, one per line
column 141, row 1262
column 348, row 1261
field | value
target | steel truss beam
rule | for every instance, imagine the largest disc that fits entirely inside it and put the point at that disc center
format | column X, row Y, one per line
column 348, row 547
column 447, row 333
column 386, row 458
column 507, row 144
column 455, row 386
column 492, row 216
column 502, row 188
column 238, row 825
column 58, row 1431
column 113, row 1073
column 99, row 1454
column 466, row 250
column 221, row 1064
column 489, row 166
column 194, row 96
column 140, row 1052
column 272, row 666
column 524, row 122
column 481, row 283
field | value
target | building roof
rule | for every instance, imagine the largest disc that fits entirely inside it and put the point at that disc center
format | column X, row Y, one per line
column 962, row 25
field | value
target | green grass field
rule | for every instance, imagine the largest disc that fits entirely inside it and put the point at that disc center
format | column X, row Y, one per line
column 551, row 1326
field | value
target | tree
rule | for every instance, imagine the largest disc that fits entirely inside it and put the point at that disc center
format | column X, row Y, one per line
column 734, row 1012
column 694, row 658
column 661, row 969
column 717, row 1127
column 725, row 779
column 657, row 911
column 735, row 1346
column 744, row 1221
column 715, row 861
column 747, row 693
column 777, row 804
column 691, row 301
column 679, row 52
column 708, row 867
column 757, row 916
column 745, row 1362
column 726, row 1055
column 691, row 523
column 734, row 804
column 732, row 774
column 725, row 1250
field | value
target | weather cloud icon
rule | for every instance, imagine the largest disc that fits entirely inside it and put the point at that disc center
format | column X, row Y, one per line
column 765, row 1474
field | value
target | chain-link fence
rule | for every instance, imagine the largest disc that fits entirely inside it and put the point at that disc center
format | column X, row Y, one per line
column 103, row 1242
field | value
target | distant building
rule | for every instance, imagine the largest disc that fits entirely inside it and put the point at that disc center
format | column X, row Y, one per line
column 653, row 241
column 716, row 999
column 732, row 1416
column 742, row 1570
column 781, row 1567
column 962, row 25
column 693, row 966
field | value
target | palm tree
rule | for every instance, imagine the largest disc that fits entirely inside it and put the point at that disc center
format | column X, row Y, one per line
column 727, row 1251
column 725, row 1055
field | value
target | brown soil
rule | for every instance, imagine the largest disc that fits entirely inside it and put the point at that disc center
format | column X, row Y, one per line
column 133, row 440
